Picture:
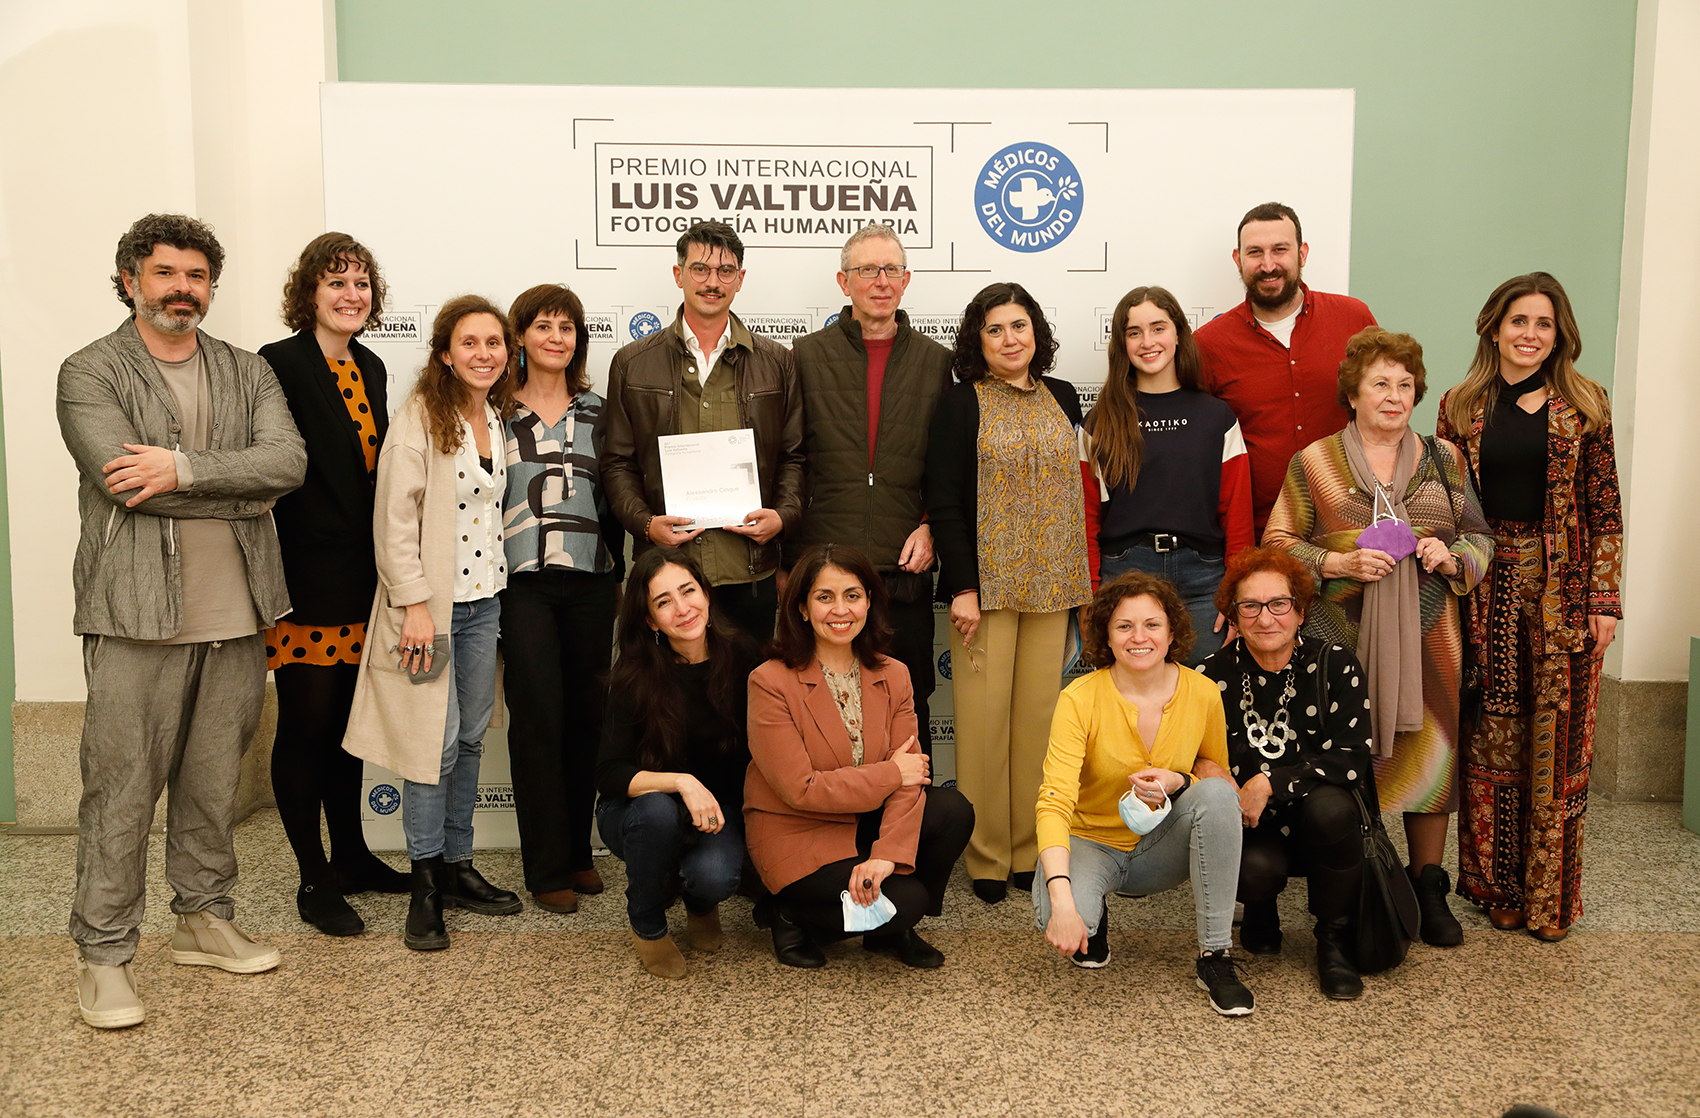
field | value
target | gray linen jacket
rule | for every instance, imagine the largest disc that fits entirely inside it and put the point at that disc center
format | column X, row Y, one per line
column 128, row 573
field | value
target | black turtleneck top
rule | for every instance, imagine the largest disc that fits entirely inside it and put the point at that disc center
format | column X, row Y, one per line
column 1514, row 456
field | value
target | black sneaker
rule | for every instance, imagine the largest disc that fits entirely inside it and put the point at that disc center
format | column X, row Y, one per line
column 1218, row 976
column 1097, row 953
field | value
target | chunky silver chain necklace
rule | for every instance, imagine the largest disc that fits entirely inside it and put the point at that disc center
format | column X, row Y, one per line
column 1269, row 738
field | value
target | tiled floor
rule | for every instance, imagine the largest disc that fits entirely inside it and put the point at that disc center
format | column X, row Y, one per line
column 540, row 1014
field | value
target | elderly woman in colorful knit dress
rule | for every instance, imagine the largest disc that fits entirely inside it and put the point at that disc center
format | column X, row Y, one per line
column 336, row 390
column 1390, row 523
column 427, row 683
column 1173, row 477
column 1018, row 548
column 565, row 552
column 1538, row 438
column 1129, row 741
column 1298, row 747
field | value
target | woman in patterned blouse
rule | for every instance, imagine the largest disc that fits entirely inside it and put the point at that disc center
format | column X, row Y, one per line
column 835, row 803
column 1018, row 549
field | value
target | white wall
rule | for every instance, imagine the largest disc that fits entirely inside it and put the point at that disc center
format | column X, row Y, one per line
column 113, row 109
column 1657, row 398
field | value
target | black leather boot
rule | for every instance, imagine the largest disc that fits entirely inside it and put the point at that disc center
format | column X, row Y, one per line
column 1334, row 970
column 792, row 945
column 1260, row 930
column 1439, row 927
column 464, row 887
column 425, row 931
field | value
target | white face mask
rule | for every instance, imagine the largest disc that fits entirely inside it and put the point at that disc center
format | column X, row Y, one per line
column 866, row 917
column 1140, row 817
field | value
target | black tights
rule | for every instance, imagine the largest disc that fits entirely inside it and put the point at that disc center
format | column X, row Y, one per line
column 310, row 768
column 1325, row 844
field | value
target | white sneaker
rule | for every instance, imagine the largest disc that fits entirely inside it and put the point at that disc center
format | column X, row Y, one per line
column 203, row 940
column 106, row 996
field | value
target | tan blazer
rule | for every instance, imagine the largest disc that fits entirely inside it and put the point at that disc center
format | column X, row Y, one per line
column 802, row 795
column 394, row 722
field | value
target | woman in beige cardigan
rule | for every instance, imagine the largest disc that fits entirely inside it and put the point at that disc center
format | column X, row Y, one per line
column 438, row 544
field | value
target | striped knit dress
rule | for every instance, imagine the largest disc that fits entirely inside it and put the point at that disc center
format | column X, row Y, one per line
column 1321, row 509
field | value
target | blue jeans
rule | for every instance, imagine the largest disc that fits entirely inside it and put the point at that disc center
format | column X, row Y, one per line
column 437, row 818
column 653, row 835
column 1199, row 840
column 1191, row 573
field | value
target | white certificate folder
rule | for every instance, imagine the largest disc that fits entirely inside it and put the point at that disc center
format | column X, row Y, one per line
column 710, row 477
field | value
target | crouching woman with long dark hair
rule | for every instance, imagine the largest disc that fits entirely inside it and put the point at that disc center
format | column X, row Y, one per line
column 671, row 769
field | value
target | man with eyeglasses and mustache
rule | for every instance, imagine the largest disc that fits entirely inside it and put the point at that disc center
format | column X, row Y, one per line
column 182, row 444
column 870, row 383
column 708, row 372
column 1275, row 358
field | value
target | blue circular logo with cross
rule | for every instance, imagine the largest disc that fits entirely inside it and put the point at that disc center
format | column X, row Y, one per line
column 384, row 799
column 643, row 324
column 944, row 663
column 1028, row 197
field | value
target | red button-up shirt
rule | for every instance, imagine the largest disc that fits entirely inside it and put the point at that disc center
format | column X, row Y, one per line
column 1286, row 399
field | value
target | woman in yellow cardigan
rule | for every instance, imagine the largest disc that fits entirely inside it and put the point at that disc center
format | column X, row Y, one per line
column 1144, row 727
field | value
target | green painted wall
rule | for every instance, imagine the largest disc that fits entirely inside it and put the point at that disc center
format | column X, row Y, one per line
column 1492, row 136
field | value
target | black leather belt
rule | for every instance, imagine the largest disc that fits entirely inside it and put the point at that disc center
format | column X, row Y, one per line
column 1162, row 543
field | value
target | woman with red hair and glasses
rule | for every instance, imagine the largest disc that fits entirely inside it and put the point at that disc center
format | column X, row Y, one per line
column 1298, row 744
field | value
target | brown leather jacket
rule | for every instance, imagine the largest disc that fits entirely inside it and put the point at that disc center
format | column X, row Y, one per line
column 644, row 389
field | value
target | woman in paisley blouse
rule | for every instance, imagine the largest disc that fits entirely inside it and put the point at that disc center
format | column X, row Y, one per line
column 835, row 802
column 565, row 554
column 1298, row 744
column 1537, row 436
column 1390, row 523
column 1017, row 546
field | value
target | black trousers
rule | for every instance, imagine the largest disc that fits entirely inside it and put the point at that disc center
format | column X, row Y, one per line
column 557, row 642
column 912, row 645
column 751, row 606
column 947, row 819
column 1324, row 844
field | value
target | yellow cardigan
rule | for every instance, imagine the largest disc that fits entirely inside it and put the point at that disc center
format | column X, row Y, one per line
column 1095, row 747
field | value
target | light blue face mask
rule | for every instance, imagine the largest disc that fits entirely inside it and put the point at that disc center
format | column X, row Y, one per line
column 1140, row 817
column 866, row 917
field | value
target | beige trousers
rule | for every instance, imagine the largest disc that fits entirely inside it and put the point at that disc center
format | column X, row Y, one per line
column 1004, row 690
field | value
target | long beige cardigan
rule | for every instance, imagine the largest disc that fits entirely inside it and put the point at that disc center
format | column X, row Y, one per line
column 395, row 722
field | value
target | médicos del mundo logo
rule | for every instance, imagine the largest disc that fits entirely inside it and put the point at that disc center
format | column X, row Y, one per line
column 1028, row 197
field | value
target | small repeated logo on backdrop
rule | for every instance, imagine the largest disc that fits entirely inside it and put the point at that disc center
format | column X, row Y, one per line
column 1088, row 395
column 782, row 328
column 494, row 797
column 643, row 324
column 941, row 328
column 942, row 729
column 397, row 326
column 944, row 664
column 830, row 319
column 1028, row 197
column 385, row 798
column 599, row 325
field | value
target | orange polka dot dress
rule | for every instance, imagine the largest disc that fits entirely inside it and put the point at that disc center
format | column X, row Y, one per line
column 288, row 642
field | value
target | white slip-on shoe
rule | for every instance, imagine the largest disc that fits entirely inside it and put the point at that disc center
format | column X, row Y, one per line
column 204, row 940
column 106, row 996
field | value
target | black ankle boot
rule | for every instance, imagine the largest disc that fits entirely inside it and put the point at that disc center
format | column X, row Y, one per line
column 425, row 931
column 464, row 887
column 322, row 906
column 1260, row 931
column 792, row 945
column 1439, row 927
column 1334, row 970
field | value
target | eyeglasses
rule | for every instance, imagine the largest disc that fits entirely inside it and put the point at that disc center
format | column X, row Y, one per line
column 727, row 272
column 870, row 271
column 1278, row 607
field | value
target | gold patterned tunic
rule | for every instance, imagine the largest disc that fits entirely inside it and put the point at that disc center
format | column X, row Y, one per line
column 1031, row 530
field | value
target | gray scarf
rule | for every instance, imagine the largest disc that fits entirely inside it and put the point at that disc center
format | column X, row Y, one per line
column 1390, row 633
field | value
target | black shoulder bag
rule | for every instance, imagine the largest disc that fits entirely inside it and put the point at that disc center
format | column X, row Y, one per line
column 1387, row 919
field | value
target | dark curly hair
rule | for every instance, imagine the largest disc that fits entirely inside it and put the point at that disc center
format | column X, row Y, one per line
column 1300, row 583
column 177, row 230
column 794, row 637
column 1095, row 642
column 552, row 299
column 969, row 363
column 324, row 255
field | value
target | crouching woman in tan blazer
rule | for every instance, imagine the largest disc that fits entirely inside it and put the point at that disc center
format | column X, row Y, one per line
column 427, row 683
column 836, row 798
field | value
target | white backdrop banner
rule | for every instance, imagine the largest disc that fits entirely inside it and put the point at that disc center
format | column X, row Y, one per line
column 1079, row 195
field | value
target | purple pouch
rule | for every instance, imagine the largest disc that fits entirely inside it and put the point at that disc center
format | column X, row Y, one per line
column 1392, row 536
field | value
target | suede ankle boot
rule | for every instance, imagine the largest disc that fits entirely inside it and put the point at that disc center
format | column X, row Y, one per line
column 425, row 931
